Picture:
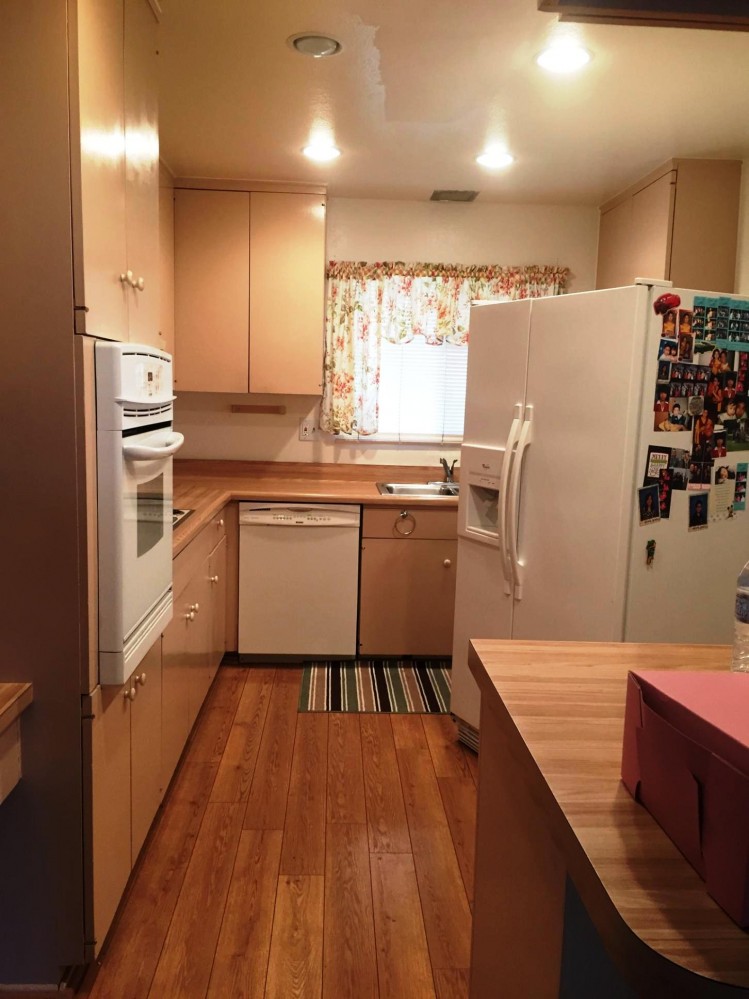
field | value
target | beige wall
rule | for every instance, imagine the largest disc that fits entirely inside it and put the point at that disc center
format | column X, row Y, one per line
column 395, row 230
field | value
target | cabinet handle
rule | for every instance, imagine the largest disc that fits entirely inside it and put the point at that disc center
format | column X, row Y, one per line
column 141, row 679
column 131, row 694
column 447, row 563
column 404, row 515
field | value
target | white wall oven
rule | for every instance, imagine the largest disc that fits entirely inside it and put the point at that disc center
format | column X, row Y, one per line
column 135, row 445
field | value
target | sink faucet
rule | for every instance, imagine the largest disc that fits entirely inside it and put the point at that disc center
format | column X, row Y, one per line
column 448, row 469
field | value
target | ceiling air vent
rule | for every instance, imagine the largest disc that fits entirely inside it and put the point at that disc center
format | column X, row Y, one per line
column 454, row 195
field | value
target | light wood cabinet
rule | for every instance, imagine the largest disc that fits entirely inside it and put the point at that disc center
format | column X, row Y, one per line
column 126, row 781
column 115, row 151
column 249, row 288
column 407, row 584
column 679, row 223
column 194, row 641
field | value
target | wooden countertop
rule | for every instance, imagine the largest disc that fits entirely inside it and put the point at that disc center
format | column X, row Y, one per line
column 560, row 708
column 207, row 486
column 14, row 699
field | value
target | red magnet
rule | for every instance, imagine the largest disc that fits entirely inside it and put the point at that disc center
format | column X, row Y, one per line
column 666, row 302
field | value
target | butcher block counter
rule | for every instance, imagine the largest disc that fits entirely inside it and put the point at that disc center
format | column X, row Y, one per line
column 578, row 891
column 207, row 486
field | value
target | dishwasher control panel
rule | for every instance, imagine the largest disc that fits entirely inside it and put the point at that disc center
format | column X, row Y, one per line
column 298, row 515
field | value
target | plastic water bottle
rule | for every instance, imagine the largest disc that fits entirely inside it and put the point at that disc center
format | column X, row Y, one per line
column 740, row 658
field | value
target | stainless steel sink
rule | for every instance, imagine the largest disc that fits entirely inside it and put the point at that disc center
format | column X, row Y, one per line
column 419, row 490
column 179, row 515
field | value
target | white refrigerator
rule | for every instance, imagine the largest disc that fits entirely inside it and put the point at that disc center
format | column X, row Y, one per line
column 603, row 472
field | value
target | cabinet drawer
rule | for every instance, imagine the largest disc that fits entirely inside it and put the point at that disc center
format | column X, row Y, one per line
column 409, row 522
column 186, row 563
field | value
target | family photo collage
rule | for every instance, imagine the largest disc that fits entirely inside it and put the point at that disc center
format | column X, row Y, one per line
column 701, row 390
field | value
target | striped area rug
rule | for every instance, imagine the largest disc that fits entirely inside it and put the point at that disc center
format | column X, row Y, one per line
column 394, row 685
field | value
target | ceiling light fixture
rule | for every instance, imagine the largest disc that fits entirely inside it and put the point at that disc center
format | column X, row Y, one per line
column 321, row 152
column 563, row 57
column 495, row 159
column 310, row 43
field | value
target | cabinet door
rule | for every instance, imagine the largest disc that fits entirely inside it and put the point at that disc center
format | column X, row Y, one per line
column 110, row 795
column 142, row 170
column 615, row 261
column 201, row 641
column 100, row 254
column 176, row 648
column 287, row 293
column 407, row 597
column 217, row 575
column 211, row 290
column 145, row 747
column 652, row 211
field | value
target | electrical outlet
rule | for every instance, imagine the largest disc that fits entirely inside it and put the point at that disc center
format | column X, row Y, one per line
column 307, row 429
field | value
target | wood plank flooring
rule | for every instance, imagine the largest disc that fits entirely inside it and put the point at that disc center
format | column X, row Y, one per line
column 302, row 856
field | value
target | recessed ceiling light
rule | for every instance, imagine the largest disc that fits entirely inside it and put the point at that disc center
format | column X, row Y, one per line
column 563, row 58
column 309, row 43
column 495, row 159
column 321, row 152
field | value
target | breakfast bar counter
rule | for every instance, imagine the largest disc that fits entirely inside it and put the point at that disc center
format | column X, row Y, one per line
column 578, row 890
column 207, row 486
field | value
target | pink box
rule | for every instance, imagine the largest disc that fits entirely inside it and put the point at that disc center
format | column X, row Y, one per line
column 686, row 759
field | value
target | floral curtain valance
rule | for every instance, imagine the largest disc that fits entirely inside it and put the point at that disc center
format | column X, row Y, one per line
column 368, row 302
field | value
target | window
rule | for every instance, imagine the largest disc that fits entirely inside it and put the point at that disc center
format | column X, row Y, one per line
column 422, row 391
column 396, row 344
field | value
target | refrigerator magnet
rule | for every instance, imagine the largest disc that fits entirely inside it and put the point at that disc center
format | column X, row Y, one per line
column 698, row 512
column 648, row 501
column 739, row 499
column 658, row 458
column 665, row 487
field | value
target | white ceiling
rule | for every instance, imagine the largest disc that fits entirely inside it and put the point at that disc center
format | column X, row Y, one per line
column 422, row 86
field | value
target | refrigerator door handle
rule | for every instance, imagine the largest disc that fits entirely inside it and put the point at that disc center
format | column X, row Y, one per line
column 504, row 485
column 524, row 441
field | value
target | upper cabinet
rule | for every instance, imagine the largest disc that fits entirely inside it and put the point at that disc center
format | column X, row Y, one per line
column 115, row 145
column 679, row 223
column 249, row 291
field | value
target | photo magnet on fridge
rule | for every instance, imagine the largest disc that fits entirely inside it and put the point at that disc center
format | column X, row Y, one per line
column 739, row 500
column 686, row 347
column 648, row 501
column 658, row 458
column 665, row 487
column 698, row 512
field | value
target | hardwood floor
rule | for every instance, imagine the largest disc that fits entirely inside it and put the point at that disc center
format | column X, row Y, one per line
column 302, row 856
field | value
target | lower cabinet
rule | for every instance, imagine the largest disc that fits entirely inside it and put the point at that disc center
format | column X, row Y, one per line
column 126, row 782
column 194, row 642
column 407, row 585
column 137, row 731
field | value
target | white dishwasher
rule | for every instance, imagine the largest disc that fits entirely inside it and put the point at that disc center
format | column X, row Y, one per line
column 298, row 579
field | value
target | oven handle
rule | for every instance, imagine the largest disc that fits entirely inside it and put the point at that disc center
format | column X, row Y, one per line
column 141, row 452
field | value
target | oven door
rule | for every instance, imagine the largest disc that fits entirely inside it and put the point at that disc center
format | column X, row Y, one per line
column 135, row 529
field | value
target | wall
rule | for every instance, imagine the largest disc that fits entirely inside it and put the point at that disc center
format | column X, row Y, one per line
column 742, row 257
column 395, row 230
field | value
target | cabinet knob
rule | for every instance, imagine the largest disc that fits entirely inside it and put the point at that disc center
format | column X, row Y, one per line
column 141, row 679
column 195, row 607
column 447, row 563
column 214, row 579
column 140, row 284
column 130, row 694
column 127, row 277
column 221, row 522
column 190, row 616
